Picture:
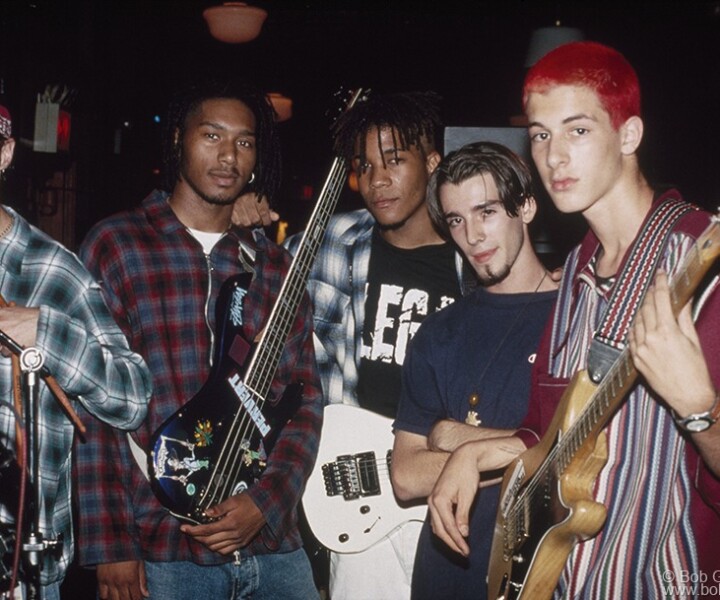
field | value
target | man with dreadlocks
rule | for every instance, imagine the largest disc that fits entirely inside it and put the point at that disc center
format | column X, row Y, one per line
column 380, row 271
column 162, row 265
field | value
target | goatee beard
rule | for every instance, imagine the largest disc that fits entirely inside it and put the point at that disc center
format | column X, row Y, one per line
column 392, row 226
column 487, row 278
column 218, row 201
column 214, row 200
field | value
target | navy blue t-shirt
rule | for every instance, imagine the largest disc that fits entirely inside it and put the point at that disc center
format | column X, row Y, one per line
column 483, row 345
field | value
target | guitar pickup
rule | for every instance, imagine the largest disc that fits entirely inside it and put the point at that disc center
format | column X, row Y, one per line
column 352, row 476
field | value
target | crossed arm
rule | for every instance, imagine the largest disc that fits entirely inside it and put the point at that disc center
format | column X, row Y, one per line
column 445, row 467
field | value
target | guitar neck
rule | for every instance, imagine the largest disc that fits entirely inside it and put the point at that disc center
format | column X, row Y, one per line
column 261, row 370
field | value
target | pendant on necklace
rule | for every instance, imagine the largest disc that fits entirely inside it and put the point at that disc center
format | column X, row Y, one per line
column 472, row 416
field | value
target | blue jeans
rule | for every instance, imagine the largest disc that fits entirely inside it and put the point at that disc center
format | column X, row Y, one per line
column 50, row 591
column 264, row 577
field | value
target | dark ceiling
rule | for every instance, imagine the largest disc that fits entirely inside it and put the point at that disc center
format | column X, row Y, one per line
column 125, row 57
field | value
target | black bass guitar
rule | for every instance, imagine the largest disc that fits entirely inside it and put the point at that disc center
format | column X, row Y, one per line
column 217, row 444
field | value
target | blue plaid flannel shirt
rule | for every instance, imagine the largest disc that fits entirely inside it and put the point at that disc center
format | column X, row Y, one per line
column 337, row 289
column 86, row 353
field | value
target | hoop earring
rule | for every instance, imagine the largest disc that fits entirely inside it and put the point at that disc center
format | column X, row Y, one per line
column 252, row 177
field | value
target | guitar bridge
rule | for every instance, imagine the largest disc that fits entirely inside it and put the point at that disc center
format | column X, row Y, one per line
column 352, row 476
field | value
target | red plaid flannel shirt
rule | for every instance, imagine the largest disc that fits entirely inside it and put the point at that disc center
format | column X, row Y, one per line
column 155, row 277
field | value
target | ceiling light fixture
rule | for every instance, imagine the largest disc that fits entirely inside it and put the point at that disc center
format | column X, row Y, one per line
column 235, row 22
column 548, row 38
column 282, row 106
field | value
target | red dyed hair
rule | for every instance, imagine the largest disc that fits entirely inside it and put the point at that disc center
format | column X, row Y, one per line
column 600, row 68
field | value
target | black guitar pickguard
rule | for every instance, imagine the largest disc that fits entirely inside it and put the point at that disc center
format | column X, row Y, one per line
column 543, row 512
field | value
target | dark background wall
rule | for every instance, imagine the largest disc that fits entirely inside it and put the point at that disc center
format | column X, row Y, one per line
column 124, row 58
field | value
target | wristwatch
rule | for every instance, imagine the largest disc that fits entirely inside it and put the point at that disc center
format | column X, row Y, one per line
column 700, row 421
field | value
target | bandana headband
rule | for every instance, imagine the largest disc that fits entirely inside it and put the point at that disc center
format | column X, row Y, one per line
column 5, row 123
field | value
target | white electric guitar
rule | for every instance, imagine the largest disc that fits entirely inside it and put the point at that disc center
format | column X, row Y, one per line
column 349, row 501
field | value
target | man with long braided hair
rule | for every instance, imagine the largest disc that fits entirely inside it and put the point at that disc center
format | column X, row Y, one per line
column 162, row 266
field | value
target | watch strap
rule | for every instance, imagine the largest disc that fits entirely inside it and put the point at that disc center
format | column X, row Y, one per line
column 709, row 416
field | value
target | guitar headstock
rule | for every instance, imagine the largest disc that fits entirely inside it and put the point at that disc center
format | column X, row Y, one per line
column 343, row 100
column 709, row 241
column 696, row 264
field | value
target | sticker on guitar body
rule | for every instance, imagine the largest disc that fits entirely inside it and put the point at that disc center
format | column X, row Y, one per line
column 249, row 404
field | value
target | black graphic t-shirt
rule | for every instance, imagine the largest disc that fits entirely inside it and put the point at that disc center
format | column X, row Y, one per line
column 403, row 287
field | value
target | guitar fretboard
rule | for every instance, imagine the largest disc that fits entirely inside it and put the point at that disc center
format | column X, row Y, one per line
column 261, row 370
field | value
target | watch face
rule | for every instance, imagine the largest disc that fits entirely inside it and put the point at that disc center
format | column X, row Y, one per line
column 697, row 424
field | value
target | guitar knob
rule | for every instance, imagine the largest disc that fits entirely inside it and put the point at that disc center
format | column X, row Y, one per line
column 343, row 537
column 364, row 509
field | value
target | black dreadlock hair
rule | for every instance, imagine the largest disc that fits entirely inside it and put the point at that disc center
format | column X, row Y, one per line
column 189, row 99
column 414, row 118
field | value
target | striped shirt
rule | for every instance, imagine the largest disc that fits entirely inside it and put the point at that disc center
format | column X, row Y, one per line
column 651, row 479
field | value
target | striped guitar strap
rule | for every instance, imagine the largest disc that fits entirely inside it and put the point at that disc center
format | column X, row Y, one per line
column 632, row 284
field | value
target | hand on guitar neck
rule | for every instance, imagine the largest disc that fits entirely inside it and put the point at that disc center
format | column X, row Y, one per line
column 666, row 351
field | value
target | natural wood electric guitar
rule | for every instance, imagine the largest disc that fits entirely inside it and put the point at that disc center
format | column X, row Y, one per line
column 546, row 504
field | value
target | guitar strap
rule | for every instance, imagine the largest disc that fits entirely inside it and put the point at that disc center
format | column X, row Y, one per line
column 632, row 284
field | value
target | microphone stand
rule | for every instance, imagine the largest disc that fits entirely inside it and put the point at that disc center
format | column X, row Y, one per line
column 33, row 545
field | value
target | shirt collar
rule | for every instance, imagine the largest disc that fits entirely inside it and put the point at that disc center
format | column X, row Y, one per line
column 162, row 218
column 12, row 261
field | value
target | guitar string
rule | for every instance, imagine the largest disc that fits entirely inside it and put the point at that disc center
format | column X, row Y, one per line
column 242, row 429
column 565, row 446
column 576, row 434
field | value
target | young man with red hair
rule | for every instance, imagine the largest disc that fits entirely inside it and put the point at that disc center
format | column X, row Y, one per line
column 660, row 483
